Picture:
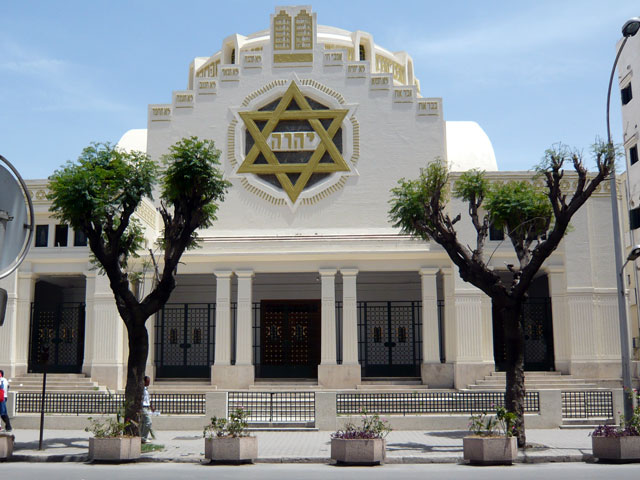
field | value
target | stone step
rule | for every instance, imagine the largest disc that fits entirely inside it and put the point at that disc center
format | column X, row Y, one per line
column 559, row 381
column 533, row 373
column 540, row 386
column 398, row 388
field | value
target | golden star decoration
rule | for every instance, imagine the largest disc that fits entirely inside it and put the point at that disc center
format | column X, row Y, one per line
column 273, row 165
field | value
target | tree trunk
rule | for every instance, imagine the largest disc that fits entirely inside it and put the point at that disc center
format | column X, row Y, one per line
column 136, row 365
column 514, row 345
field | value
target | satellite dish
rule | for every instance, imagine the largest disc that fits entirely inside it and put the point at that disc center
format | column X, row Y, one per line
column 16, row 224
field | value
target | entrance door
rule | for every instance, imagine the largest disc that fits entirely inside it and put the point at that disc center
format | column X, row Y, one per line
column 184, row 340
column 289, row 338
column 389, row 338
column 58, row 329
column 538, row 336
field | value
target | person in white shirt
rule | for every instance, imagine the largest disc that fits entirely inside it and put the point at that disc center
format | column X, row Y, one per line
column 147, row 408
column 4, row 386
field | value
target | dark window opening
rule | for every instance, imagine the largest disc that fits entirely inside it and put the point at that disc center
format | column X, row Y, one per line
column 42, row 235
column 173, row 336
column 79, row 238
column 626, row 94
column 233, row 56
column 62, row 234
column 377, row 335
column 402, row 335
column 496, row 233
column 196, row 336
column 634, row 218
column 363, row 53
column 633, row 155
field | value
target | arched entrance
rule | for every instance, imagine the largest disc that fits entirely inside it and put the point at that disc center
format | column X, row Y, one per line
column 57, row 324
column 538, row 330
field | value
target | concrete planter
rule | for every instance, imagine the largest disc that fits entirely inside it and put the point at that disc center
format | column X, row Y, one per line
column 231, row 449
column 490, row 450
column 618, row 449
column 357, row 451
column 114, row 449
column 6, row 445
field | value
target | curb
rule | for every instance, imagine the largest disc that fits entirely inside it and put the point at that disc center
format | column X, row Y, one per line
column 83, row 458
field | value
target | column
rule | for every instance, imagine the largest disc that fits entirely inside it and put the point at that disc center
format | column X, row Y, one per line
column 26, row 282
column 328, row 316
column 349, row 316
column 244, row 324
column 223, row 318
column 147, row 287
column 330, row 374
column 430, row 329
column 223, row 374
column 106, row 334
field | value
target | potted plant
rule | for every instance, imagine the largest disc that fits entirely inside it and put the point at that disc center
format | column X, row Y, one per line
column 361, row 445
column 619, row 443
column 110, row 442
column 227, row 441
column 492, row 441
column 6, row 445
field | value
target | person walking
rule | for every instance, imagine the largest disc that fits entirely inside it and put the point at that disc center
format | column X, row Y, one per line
column 145, row 417
column 4, row 393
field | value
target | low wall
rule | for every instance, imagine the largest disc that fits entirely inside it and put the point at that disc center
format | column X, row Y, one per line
column 326, row 417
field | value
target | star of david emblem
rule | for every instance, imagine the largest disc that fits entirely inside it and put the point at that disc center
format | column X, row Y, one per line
column 293, row 177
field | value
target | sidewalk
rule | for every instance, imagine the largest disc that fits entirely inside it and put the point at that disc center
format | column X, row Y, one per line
column 554, row 445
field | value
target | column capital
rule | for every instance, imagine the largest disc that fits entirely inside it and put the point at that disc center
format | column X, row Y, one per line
column 327, row 272
column 428, row 271
column 244, row 273
column 349, row 272
column 223, row 273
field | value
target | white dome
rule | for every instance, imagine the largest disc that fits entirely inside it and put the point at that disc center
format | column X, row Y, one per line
column 468, row 146
column 134, row 140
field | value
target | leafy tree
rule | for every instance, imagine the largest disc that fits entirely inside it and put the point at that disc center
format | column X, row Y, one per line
column 99, row 194
column 534, row 218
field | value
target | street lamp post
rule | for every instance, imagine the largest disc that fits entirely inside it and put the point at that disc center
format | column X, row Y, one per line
column 629, row 29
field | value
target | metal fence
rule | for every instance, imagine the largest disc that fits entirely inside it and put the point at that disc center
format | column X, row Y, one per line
column 105, row 404
column 587, row 404
column 275, row 407
column 427, row 402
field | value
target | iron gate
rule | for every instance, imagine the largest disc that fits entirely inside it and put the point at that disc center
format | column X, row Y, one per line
column 289, row 338
column 389, row 338
column 538, row 336
column 59, row 329
column 185, row 340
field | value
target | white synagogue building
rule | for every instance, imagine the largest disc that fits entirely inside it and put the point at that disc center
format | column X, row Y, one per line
column 303, row 279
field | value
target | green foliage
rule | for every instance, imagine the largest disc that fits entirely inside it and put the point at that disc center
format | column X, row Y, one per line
column 501, row 424
column 472, row 186
column 372, row 427
column 151, row 447
column 110, row 427
column 519, row 207
column 192, row 183
column 234, row 427
column 100, row 191
column 414, row 201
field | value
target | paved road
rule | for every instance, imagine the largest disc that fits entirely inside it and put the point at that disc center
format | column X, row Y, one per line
column 173, row 471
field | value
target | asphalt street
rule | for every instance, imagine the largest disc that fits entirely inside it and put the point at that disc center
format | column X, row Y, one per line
column 176, row 471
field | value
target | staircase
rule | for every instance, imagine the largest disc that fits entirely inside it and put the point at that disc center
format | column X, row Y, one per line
column 56, row 383
column 535, row 381
column 180, row 385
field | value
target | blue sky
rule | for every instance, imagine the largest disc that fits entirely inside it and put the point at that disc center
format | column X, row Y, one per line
column 530, row 73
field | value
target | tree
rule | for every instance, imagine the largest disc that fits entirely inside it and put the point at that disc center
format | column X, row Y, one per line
column 99, row 194
column 534, row 218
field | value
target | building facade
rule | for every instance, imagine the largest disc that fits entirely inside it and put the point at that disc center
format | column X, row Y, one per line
column 303, row 276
